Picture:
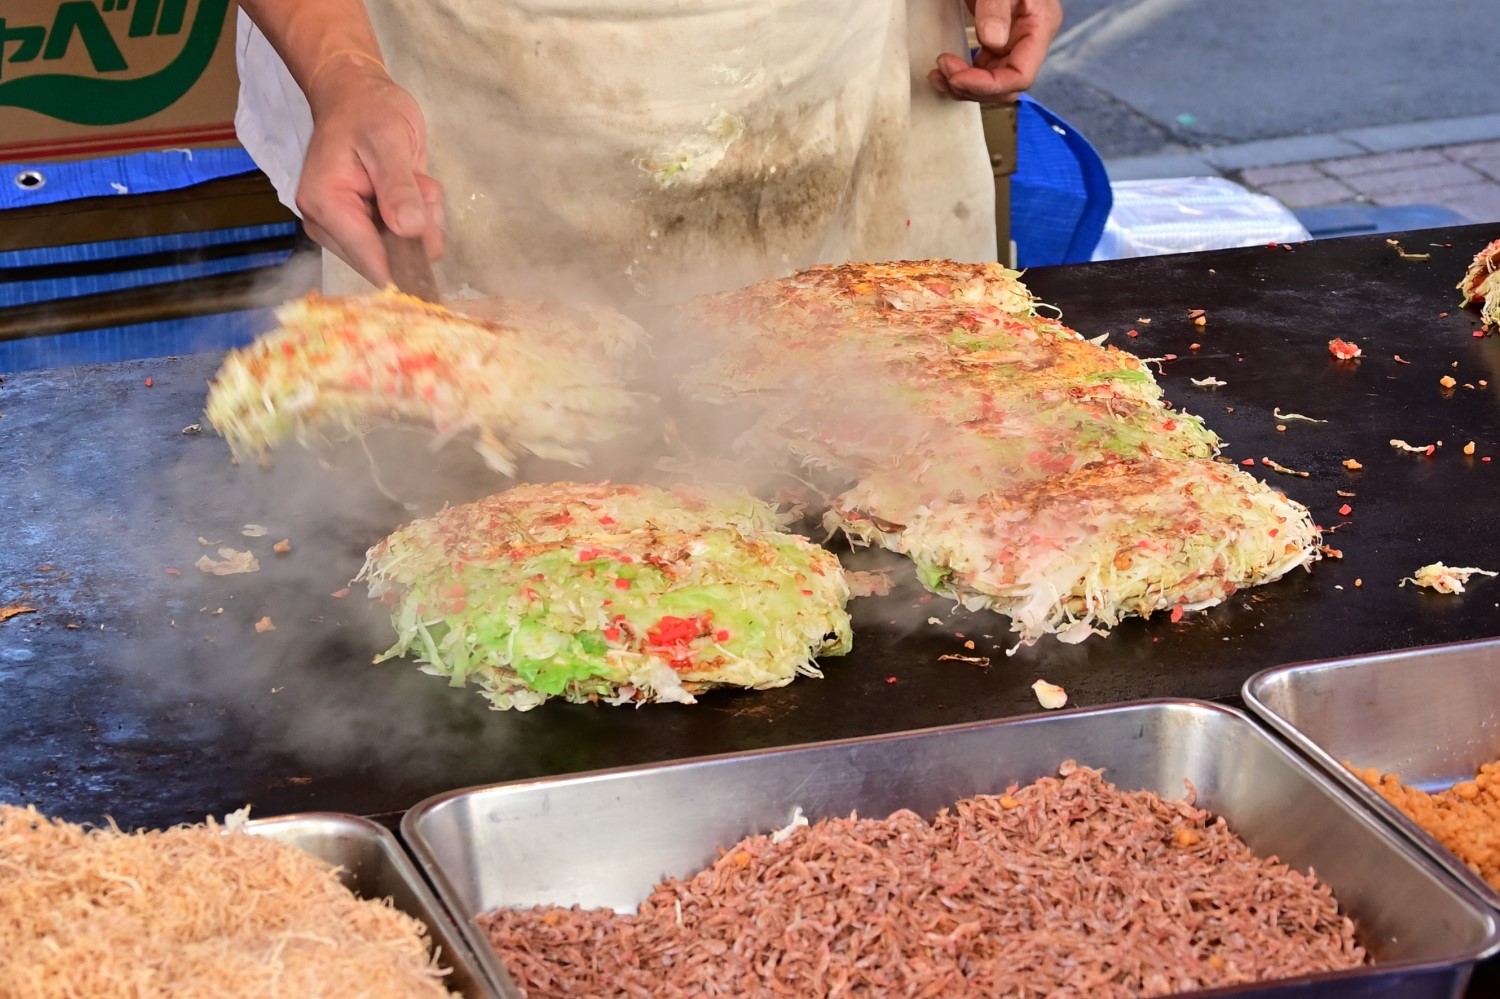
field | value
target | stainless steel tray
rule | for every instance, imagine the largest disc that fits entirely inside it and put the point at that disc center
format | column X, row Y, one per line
column 604, row 839
column 375, row 866
column 1430, row 714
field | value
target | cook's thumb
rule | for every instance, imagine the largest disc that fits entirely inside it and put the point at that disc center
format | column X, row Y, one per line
column 398, row 197
column 992, row 23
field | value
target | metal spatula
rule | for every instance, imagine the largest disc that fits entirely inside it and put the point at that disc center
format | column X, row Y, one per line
column 411, row 271
column 968, row 33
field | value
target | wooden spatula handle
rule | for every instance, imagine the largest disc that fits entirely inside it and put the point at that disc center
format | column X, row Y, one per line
column 411, row 271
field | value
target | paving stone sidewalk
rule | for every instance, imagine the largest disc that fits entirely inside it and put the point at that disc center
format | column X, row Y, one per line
column 1423, row 173
column 1463, row 178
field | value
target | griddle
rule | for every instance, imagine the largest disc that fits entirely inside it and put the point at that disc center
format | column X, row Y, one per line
column 128, row 694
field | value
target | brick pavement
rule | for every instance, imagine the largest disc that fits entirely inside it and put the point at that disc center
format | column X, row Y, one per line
column 1464, row 178
column 1413, row 174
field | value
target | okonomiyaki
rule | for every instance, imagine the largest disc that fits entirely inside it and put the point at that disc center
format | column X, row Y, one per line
column 610, row 592
column 1024, row 468
column 868, row 387
column 1074, row 554
column 535, row 379
column 1481, row 283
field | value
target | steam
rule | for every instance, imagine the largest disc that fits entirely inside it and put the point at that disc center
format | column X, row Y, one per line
column 302, row 694
column 302, row 686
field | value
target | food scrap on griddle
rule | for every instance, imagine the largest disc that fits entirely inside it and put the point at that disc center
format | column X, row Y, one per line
column 1444, row 578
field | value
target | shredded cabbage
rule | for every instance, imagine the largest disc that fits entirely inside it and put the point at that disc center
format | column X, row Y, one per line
column 535, row 379
column 585, row 591
column 1075, row 556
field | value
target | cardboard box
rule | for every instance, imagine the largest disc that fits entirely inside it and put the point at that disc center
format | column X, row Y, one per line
column 89, row 78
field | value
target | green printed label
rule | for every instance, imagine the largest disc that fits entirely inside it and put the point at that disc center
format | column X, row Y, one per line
column 103, row 30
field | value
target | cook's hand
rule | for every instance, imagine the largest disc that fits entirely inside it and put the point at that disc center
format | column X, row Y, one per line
column 1013, row 36
column 368, row 147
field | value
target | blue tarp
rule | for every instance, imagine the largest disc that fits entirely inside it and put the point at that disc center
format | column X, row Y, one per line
column 113, row 249
column 13, row 293
column 138, row 173
column 214, row 333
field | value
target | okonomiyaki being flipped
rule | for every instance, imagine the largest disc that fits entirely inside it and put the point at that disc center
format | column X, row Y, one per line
column 530, row 378
column 1024, row 468
column 610, row 592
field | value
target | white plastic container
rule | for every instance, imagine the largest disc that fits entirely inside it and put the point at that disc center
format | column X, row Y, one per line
column 1188, row 214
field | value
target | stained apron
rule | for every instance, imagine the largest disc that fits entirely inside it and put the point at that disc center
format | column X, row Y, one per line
column 619, row 149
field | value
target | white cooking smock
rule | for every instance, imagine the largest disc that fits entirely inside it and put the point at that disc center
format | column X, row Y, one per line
column 614, row 148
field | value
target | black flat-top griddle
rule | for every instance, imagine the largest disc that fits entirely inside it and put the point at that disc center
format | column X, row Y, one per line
column 130, row 693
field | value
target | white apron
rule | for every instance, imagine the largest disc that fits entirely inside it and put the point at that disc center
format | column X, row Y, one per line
column 612, row 149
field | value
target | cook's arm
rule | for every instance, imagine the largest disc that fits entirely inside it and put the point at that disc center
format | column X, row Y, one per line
column 369, row 141
column 1014, row 36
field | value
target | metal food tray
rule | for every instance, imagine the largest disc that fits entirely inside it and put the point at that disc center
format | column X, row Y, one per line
column 1431, row 715
column 606, row 838
column 373, row 865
